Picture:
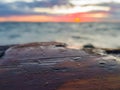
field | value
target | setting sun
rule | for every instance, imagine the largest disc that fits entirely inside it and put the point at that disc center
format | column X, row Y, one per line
column 77, row 19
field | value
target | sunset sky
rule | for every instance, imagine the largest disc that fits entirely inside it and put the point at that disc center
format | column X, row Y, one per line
column 59, row 10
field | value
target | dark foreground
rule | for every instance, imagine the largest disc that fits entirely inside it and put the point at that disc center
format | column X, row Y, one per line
column 53, row 66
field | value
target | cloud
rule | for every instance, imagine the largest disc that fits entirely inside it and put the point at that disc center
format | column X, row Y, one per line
column 11, row 9
column 69, row 10
column 18, row 7
column 38, row 7
column 6, row 9
column 85, row 2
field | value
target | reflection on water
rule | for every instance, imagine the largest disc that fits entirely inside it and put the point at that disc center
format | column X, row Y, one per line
column 75, row 34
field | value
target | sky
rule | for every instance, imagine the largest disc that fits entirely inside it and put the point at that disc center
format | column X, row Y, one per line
column 59, row 10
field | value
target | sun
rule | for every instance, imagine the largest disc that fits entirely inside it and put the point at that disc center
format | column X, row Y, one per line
column 77, row 19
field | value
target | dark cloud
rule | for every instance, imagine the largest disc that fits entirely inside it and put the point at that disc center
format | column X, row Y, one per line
column 20, row 7
column 46, row 3
column 6, row 9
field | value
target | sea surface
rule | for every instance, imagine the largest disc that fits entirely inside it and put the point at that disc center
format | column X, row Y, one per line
column 104, row 35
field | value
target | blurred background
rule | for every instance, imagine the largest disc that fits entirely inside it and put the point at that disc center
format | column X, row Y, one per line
column 75, row 22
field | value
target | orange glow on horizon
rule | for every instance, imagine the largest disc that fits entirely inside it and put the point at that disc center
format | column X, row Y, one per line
column 29, row 18
column 77, row 17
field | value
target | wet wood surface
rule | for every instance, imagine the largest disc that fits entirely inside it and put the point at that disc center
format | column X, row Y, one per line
column 54, row 66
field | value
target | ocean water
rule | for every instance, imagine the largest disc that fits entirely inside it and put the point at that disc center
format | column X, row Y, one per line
column 105, row 35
